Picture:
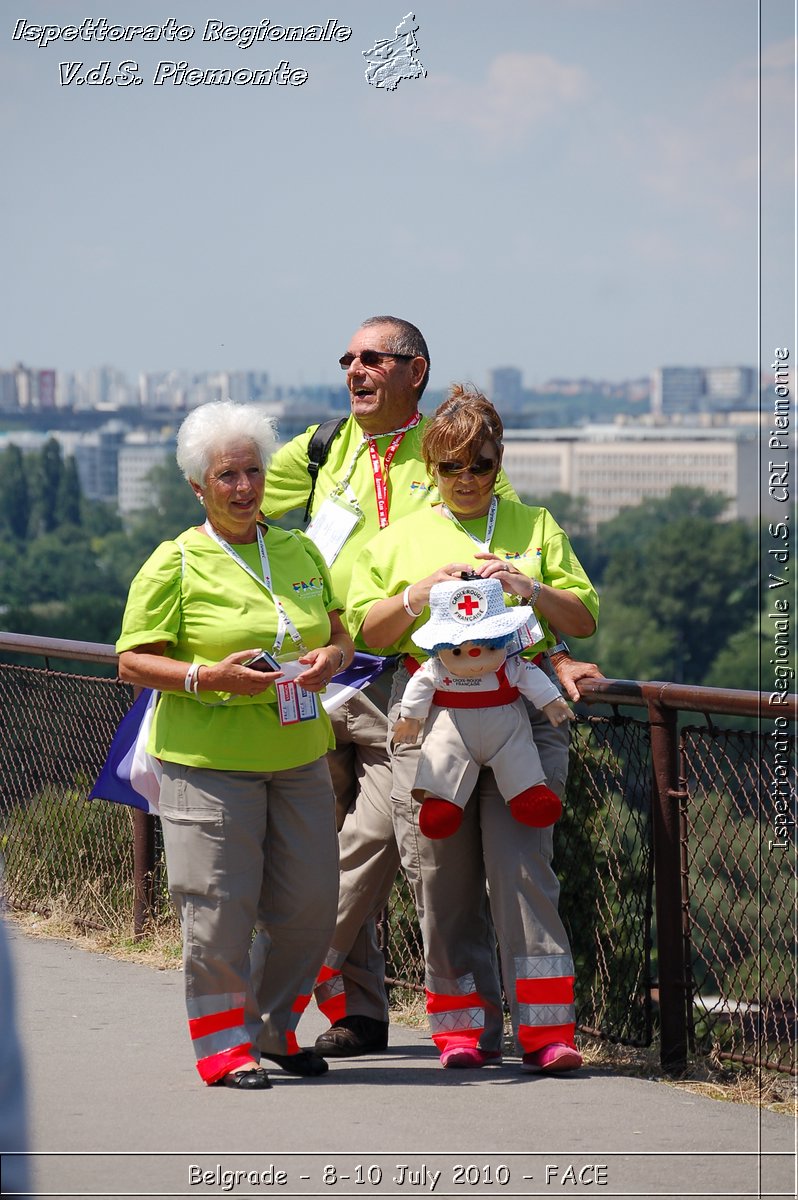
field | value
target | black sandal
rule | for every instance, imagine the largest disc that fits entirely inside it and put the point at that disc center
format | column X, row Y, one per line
column 245, row 1081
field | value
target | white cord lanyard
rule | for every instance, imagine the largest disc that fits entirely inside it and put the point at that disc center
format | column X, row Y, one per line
column 489, row 528
column 284, row 623
column 380, row 471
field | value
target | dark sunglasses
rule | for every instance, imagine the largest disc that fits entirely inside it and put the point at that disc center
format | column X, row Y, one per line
column 482, row 466
column 369, row 358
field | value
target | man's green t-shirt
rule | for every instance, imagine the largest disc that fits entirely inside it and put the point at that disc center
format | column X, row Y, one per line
column 410, row 489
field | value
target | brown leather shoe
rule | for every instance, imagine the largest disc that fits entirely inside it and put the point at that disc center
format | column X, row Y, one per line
column 351, row 1036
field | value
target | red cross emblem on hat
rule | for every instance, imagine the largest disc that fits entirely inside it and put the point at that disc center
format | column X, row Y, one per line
column 466, row 605
column 469, row 604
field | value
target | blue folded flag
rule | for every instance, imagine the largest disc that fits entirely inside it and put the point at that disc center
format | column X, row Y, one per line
column 359, row 674
column 131, row 776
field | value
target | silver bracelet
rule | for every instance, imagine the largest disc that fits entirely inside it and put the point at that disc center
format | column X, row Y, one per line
column 533, row 595
column 340, row 666
column 406, row 603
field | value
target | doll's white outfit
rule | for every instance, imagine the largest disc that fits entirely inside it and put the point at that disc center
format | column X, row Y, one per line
column 473, row 723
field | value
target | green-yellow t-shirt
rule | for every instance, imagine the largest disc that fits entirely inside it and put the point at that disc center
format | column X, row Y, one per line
column 418, row 546
column 205, row 606
column 410, row 489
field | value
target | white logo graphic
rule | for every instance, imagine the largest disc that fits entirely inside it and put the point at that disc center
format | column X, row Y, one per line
column 390, row 60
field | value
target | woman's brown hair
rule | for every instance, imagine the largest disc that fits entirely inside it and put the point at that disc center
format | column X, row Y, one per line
column 459, row 426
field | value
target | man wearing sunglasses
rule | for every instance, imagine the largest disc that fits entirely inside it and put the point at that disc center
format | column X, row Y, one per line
column 374, row 474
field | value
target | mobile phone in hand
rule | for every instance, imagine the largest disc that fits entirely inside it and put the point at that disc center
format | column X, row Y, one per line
column 263, row 662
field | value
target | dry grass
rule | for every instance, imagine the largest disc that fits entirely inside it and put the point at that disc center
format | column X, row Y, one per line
column 160, row 949
column 731, row 1082
column 704, row 1077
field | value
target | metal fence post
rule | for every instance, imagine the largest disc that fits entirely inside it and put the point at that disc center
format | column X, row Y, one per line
column 143, row 871
column 668, row 887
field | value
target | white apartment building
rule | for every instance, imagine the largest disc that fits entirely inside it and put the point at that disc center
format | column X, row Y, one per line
column 615, row 467
column 136, row 459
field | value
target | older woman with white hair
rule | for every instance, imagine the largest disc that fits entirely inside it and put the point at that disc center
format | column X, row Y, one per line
column 246, row 803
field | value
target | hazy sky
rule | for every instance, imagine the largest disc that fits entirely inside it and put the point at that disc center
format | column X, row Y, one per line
column 572, row 189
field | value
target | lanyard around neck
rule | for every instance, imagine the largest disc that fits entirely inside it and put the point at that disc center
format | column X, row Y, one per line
column 265, row 578
column 379, row 470
column 489, row 528
column 284, row 623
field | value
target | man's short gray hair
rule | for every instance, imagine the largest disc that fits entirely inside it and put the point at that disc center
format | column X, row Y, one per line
column 406, row 339
column 214, row 427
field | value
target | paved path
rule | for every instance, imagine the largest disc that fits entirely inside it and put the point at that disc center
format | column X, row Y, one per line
column 118, row 1109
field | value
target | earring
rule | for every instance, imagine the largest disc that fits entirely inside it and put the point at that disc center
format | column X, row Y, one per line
column 201, row 500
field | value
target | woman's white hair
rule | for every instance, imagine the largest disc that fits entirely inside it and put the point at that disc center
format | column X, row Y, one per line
column 214, row 427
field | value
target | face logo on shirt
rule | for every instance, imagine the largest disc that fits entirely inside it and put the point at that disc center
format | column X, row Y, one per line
column 303, row 586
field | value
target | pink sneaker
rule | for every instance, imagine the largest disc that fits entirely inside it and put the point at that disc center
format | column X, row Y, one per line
column 550, row 1060
column 470, row 1056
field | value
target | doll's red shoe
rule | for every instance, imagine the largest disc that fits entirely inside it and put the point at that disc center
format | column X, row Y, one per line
column 439, row 818
column 538, row 806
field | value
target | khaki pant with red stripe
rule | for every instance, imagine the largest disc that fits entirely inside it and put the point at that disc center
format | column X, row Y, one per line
column 352, row 980
column 248, row 851
column 449, row 879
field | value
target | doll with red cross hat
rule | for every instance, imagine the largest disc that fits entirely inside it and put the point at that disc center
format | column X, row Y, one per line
column 467, row 696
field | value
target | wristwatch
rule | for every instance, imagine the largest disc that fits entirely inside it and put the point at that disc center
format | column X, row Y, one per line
column 560, row 648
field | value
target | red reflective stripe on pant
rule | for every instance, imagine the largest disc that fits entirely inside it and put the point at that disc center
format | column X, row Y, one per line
column 554, row 991
column 291, row 1043
column 202, row 1026
column 459, row 1036
column 545, row 991
column 300, row 1004
column 216, row 1065
column 535, row 1037
column 441, row 1002
column 334, row 1007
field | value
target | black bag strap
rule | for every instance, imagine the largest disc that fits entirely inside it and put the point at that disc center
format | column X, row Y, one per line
column 318, row 448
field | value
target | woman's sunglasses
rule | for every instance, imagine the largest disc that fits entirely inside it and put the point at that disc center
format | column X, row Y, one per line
column 482, row 466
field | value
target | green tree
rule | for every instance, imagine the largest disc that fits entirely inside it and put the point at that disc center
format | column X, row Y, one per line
column 99, row 518
column 48, row 468
column 14, row 492
column 571, row 513
column 68, row 507
column 58, row 566
column 737, row 663
column 633, row 528
column 10, row 589
column 678, row 583
column 174, row 508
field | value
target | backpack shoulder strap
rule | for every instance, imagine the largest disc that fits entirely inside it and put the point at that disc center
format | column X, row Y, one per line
column 318, row 449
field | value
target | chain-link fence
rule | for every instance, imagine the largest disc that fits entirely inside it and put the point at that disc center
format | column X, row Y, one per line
column 63, row 852
column 740, row 893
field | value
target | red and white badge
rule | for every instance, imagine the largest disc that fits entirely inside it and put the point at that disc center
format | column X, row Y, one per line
column 467, row 605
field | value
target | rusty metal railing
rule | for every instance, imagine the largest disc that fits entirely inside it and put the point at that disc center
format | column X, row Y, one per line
column 677, row 908
column 680, row 870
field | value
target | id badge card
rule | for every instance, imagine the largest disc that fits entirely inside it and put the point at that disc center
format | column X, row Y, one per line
column 294, row 704
column 526, row 636
column 331, row 526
